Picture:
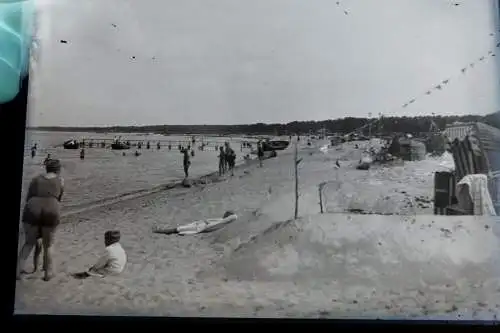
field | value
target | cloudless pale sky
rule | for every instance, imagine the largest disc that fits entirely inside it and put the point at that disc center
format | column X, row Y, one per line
column 246, row 61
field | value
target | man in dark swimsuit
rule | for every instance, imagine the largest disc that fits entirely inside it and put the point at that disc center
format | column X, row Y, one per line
column 222, row 161
column 230, row 158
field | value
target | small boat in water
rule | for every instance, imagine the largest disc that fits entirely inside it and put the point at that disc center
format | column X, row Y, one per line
column 275, row 145
column 71, row 144
column 119, row 146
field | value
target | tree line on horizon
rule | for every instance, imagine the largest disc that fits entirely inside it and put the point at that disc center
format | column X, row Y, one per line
column 383, row 126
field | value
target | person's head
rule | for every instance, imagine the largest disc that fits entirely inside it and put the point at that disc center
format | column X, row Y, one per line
column 111, row 237
column 227, row 214
column 53, row 166
column 221, row 148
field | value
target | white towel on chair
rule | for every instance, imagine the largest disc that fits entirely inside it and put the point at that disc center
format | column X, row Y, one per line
column 478, row 192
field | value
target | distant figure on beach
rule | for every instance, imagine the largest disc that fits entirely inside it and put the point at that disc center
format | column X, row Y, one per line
column 103, row 144
column 82, row 154
column 46, row 160
column 41, row 216
column 192, row 152
column 186, row 162
column 148, row 145
column 137, row 153
column 123, row 154
column 179, row 147
column 114, row 259
column 169, row 146
column 230, row 158
column 189, row 147
column 158, row 145
column 260, row 153
column 33, row 152
column 222, row 162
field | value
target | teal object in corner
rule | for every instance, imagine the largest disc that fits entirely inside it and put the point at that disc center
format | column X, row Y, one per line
column 16, row 18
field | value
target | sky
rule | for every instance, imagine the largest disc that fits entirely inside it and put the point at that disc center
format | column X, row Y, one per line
column 148, row 62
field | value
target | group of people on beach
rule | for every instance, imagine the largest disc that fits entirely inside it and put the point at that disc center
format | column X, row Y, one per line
column 41, row 217
column 42, row 212
column 227, row 159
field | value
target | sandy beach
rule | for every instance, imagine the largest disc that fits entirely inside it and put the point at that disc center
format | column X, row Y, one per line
column 333, row 265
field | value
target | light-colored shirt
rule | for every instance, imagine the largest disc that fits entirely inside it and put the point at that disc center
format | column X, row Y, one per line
column 113, row 261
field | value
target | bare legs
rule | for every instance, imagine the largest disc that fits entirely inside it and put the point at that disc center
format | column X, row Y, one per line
column 47, row 243
column 36, row 257
column 30, row 242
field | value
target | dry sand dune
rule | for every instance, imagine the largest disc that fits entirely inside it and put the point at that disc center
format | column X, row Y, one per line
column 332, row 265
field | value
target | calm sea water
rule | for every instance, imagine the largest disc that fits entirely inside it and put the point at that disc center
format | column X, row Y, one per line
column 105, row 173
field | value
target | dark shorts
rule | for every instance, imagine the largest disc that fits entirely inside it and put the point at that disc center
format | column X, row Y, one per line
column 33, row 233
column 42, row 212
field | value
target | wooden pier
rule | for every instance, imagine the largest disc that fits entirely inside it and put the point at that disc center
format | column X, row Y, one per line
column 164, row 143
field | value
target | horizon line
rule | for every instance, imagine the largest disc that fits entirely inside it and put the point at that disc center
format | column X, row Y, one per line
column 255, row 123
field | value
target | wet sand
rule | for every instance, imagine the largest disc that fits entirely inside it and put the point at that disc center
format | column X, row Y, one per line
column 240, row 270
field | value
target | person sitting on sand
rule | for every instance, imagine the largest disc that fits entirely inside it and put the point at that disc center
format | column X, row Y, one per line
column 186, row 162
column 113, row 261
column 41, row 216
column 222, row 162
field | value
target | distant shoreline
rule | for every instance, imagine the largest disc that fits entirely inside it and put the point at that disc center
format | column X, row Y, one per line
column 384, row 125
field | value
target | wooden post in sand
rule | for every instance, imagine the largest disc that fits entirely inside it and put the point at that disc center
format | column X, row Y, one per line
column 320, row 187
column 296, row 162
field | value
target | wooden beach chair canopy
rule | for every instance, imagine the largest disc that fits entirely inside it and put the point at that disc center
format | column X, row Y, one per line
column 476, row 150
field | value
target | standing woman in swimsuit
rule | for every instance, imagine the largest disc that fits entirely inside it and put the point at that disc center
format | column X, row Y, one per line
column 41, row 216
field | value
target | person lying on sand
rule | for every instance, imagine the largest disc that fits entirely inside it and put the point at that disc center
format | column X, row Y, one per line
column 112, row 262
